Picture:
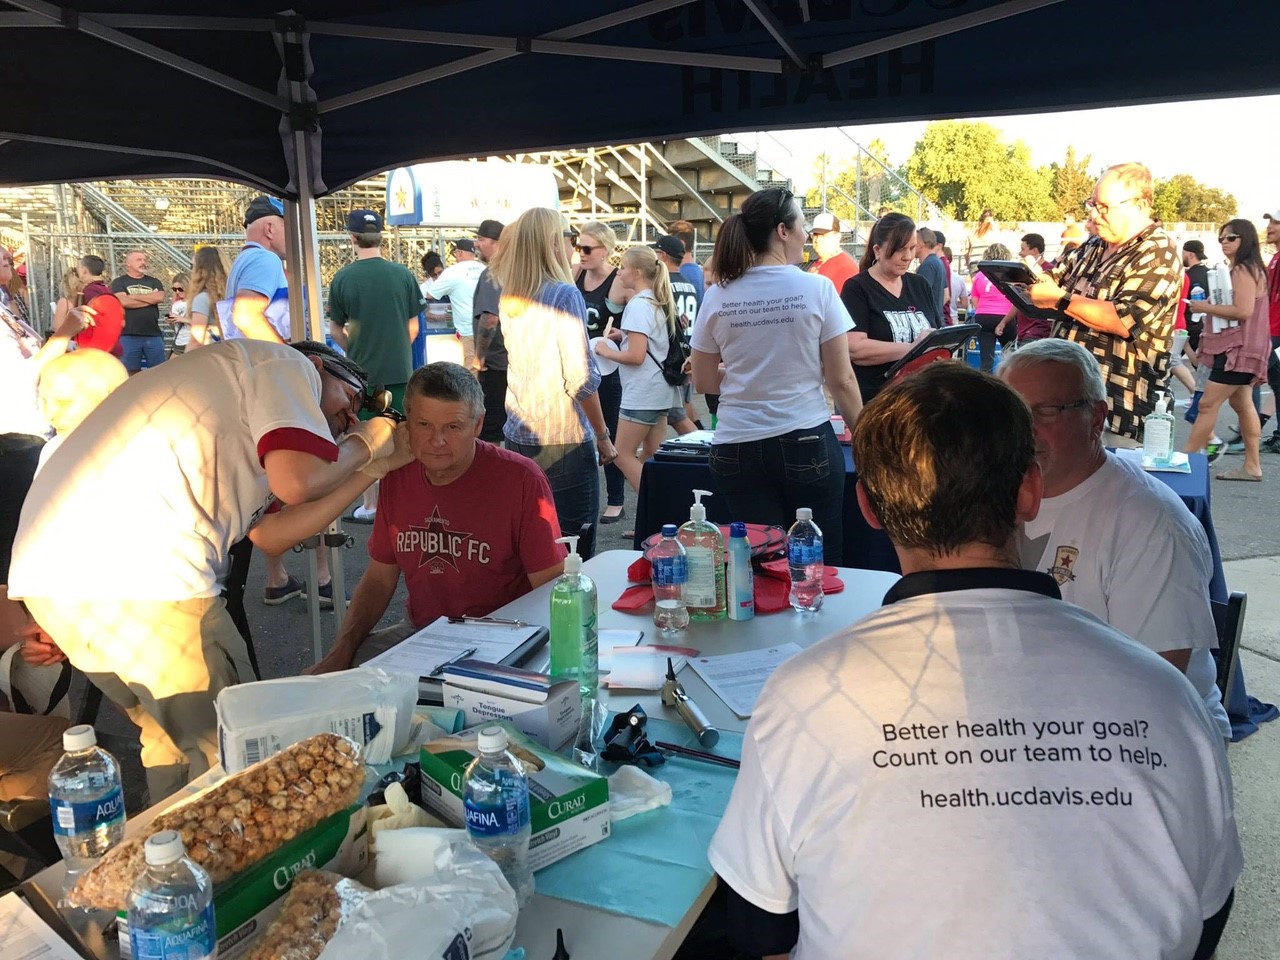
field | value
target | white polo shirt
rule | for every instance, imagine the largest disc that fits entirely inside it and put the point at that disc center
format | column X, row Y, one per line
column 983, row 771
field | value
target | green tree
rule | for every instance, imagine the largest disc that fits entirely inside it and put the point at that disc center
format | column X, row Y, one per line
column 1183, row 198
column 965, row 167
column 1071, row 183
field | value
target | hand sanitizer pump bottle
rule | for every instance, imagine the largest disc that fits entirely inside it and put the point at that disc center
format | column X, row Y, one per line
column 704, row 591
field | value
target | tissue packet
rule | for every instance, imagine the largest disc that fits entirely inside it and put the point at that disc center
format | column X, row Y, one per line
column 373, row 708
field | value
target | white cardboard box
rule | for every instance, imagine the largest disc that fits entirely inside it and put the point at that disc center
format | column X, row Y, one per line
column 552, row 724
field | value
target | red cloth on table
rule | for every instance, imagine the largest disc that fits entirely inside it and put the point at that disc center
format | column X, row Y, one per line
column 772, row 586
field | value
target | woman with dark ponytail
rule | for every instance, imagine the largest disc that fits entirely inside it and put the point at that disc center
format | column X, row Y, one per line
column 891, row 308
column 767, row 339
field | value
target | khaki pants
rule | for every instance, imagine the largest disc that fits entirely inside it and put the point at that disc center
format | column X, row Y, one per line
column 29, row 747
column 380, row 641
column 163, row 663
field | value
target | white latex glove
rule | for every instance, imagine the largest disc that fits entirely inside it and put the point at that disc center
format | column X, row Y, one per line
column 399, row 456
column 378, row 434
column 399, row 812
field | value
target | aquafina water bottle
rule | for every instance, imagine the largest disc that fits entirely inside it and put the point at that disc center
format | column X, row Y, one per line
column 86, row 800
column 170, row 907
column 496, row 805
column 805, row 562
column 670, row 572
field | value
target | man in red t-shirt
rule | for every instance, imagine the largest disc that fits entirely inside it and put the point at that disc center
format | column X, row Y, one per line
column 470, row 525
column 1272, row 442
column 833, row 263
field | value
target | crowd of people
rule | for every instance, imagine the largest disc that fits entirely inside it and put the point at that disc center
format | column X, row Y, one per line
column 999, row 495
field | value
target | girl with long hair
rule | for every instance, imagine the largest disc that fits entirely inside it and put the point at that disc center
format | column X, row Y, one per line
column 648, row 324
column 768, row 338
column 207, row 285
column 1237, row 352
column 605, row 297
column 990, row 308
column 891, row 307
column 553, row 411
column 177, row 315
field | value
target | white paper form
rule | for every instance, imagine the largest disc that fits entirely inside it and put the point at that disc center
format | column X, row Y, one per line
column 738, row 678
column 24, row 936
column 441, row 641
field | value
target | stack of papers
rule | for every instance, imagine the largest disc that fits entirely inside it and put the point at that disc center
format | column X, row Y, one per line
column 738, row 678
column 426, row 653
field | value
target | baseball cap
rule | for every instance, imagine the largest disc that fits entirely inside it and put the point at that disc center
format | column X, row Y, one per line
column 673, row 247
column 465, row 244
column 825, row 223
column 1273, row 215
column 364, row 221
column 262, row 206
column 1196, row 247
column 490, row 230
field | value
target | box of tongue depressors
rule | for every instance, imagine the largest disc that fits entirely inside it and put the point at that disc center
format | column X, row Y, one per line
column 568, row 804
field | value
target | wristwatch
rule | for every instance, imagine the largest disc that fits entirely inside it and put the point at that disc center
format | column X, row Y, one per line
column 1064, row 302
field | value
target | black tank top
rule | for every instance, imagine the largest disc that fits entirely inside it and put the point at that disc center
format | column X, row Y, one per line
column 600, row 309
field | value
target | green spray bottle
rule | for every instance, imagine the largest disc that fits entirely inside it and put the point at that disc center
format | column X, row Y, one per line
column 574, row 642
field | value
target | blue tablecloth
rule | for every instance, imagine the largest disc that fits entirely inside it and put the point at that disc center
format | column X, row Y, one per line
column 666, row 493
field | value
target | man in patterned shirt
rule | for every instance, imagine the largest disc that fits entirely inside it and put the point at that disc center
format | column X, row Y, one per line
column 1119, row 296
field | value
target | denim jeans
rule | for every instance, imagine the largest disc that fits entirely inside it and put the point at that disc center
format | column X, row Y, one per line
column 610, row 394
column 139, row 349
column 572, row 470
column 764, row 481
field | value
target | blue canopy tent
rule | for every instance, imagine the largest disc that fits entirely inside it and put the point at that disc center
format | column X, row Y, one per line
column 312, row 98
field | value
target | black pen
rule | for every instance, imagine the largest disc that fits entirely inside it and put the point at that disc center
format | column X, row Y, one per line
column 469, row 652
column 697, row 754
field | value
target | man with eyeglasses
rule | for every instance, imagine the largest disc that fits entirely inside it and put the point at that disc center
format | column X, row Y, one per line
column 202, row 450
column 1118, row 296
column 1120, row 543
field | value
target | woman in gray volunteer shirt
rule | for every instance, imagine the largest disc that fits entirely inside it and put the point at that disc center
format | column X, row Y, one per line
column 769, row 337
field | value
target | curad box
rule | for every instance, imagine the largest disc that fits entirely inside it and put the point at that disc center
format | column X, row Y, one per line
column 568, row 804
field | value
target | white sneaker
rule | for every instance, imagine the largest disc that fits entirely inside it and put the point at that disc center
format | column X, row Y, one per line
column 360, row 513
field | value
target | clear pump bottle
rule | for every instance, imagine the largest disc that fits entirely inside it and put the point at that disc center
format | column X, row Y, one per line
column 704, row 591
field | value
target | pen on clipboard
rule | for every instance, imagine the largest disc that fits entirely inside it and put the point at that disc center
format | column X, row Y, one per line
column 498, row 620
column 469, row 652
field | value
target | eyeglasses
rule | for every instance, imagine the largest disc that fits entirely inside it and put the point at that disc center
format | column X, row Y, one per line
column 360, row 395
column 1105, row 208
column 587, row 250
column 1049, row 412
column 1229, row 238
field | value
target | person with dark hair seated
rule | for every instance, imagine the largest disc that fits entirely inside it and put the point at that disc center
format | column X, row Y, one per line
column 977, row 769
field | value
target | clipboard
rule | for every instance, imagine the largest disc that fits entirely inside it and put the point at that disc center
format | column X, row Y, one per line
column 1012, row 277
column 940, row 344
column 445, row 649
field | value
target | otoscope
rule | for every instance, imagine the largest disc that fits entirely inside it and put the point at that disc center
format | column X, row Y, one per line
column 673, row 695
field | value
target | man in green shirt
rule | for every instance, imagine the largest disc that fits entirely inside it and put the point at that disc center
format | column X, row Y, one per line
column 373, row 317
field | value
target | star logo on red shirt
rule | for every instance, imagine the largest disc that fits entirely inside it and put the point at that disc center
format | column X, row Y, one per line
column 439, row 545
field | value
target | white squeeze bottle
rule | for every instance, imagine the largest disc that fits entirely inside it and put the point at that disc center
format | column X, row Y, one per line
column 704, row 556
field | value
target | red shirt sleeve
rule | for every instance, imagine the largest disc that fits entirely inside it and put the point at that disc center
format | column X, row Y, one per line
column 295, row 438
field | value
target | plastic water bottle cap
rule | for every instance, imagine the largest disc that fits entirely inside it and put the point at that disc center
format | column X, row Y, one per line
column 737, row 529
column 80, row 737
column 670, row 530
column 164, row 847
column 492, row 740
column 804, row 513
